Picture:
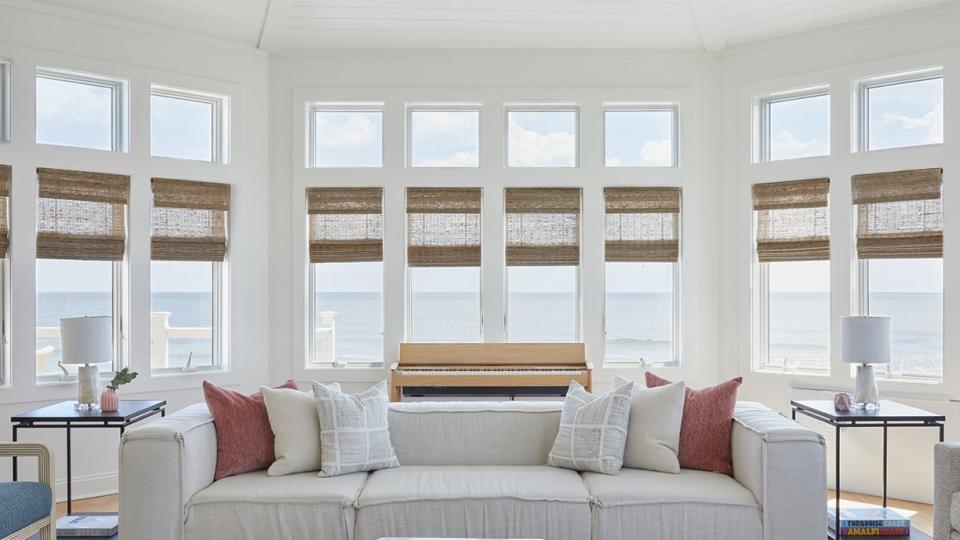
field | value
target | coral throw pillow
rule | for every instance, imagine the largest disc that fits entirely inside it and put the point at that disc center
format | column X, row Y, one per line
column 705, row 429
column 244, row 437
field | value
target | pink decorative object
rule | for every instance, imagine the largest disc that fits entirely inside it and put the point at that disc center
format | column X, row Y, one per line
column 244, row 437
column 109, row 400
column 705, row 428
column 842, row 401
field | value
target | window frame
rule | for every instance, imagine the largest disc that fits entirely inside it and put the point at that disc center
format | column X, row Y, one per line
column 218, row 330
column 862, row 92
column 674, row 110
column 763, row 118
column 411, row 108
column 6, row 109
column 312, row 363
column 675, row 323
column 119, row 106
column 343, row 107
column 219, row 121
column 545, row 108
column 5, row 365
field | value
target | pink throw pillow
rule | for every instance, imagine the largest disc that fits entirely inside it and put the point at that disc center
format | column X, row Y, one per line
column 244, row 437
column 706, row 424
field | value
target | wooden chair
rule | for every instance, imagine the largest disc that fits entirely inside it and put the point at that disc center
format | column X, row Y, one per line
column 25, row 501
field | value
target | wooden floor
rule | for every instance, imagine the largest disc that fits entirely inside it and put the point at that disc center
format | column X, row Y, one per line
column 921, row 515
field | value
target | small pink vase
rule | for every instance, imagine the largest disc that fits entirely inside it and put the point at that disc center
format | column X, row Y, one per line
column 109, row 401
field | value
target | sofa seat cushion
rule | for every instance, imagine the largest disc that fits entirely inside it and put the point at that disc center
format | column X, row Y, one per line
column 21, row 504
column 689, row 505
column 255, row 505
column 475, row 502
column 955, row 511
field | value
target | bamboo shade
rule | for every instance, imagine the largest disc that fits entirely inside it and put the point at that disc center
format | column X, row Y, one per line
column 443, row 226
column 899, row 214
column 346, row 224
column 81, row 215
column 543, row 226
column 189, row 220
column 793, row 220
column 642, row 224
column 5, row 174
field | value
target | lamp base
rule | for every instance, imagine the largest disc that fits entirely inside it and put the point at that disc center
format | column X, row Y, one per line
column 88, row 378
column 866, row 395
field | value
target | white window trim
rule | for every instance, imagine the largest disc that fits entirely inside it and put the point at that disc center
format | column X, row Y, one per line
column 579, row 304
column 5, row 100
column 219, row 121
column 440, row 107
column 5, row 368
column 545, row 108
column 311, row 362
column 218, row 329
column 344, row 107
column 675, row 331
column 119, row 122
column 763, row 118
column 863, row 87
column 674, row 111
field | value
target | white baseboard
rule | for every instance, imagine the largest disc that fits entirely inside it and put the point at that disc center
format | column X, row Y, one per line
column 90, row 485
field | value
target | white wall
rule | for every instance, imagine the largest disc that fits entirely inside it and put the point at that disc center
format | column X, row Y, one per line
column 142, row 56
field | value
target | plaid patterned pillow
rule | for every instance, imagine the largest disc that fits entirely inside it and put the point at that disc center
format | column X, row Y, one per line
column 593, row 430
column 354, row 435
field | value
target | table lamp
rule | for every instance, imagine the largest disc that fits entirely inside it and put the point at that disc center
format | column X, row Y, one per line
column 865, row 341
column 87, row 341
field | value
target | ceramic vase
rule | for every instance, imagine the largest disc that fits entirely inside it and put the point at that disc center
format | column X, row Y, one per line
column 109, row 401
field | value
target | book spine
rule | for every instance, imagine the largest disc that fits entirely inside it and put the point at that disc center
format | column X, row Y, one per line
column 874, row 523
column 875, row 531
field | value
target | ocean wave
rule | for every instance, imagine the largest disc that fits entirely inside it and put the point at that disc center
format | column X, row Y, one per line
column 637, row 341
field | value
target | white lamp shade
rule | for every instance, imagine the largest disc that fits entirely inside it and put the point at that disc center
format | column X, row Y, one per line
column 865, row 340
column 86, row 340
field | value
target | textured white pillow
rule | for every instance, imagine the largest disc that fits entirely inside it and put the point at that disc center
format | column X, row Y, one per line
column 354, row 434
column 593, row 430
column 296, row 430
column 653, row 435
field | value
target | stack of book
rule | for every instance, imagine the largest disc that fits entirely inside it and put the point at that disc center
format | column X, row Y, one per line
column 869, row 522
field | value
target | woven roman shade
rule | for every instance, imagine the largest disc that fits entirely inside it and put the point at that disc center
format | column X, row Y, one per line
column 642, row 224
column 443, row 226
column 543, row 226
column 81, row 215
column 899, row 214
column 793, row 220
column 346, row 224
column 5, row 175
column 189, row 220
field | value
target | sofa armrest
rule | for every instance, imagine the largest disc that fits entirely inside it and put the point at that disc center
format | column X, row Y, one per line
column 784, row 465
column 162, row 465
column 946, row 457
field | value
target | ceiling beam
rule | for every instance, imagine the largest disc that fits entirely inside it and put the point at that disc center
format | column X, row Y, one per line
column 708, row 25
column 274, row 24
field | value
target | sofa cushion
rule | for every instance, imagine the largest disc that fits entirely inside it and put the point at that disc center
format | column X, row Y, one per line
column 255, row 505
column 22, row 503
column 955, row 512
column 689, row 505
column 476, row 502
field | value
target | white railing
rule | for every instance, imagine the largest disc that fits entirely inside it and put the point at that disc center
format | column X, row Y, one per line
column 324, row 336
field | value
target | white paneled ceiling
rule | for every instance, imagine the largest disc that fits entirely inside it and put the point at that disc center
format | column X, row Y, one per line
column 710, row 25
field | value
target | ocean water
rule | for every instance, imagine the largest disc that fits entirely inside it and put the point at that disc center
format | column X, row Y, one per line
column 638, row 324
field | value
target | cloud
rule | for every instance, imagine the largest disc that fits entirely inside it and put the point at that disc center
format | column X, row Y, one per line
column 656, row 152
column 457, row 159
column 931, row 123
column 71, row 103
column 614, row 162
column 445, row 138
column 346, row 130
column 785, row 144
column 534, row 149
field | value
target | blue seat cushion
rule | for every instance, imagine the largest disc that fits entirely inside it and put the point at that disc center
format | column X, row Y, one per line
column 23, row 503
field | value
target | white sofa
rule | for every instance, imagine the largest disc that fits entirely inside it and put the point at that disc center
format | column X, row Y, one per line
column 946, row 501
column 474, row 470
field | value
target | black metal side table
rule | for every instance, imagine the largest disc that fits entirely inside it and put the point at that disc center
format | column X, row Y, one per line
column 889, row 414
column 65, row 415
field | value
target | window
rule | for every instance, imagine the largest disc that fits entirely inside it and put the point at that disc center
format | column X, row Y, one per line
column 444, row 137
column 188, row 247
column 642, row 253
column 186, row 125
column 346, row 276
column 792, row 301
column 346, row 135
column 542, row 136
column 900, row 247
column 443, row 259
column 82, row 110
column 903, row 110
column 543, row 258
column 794, row 125
column 4, row 100
column 640, row 136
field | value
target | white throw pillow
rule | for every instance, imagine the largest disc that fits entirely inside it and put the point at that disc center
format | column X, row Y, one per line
column 296, row 430
column 354, row 434
column 653, row 435
column 593, row 430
